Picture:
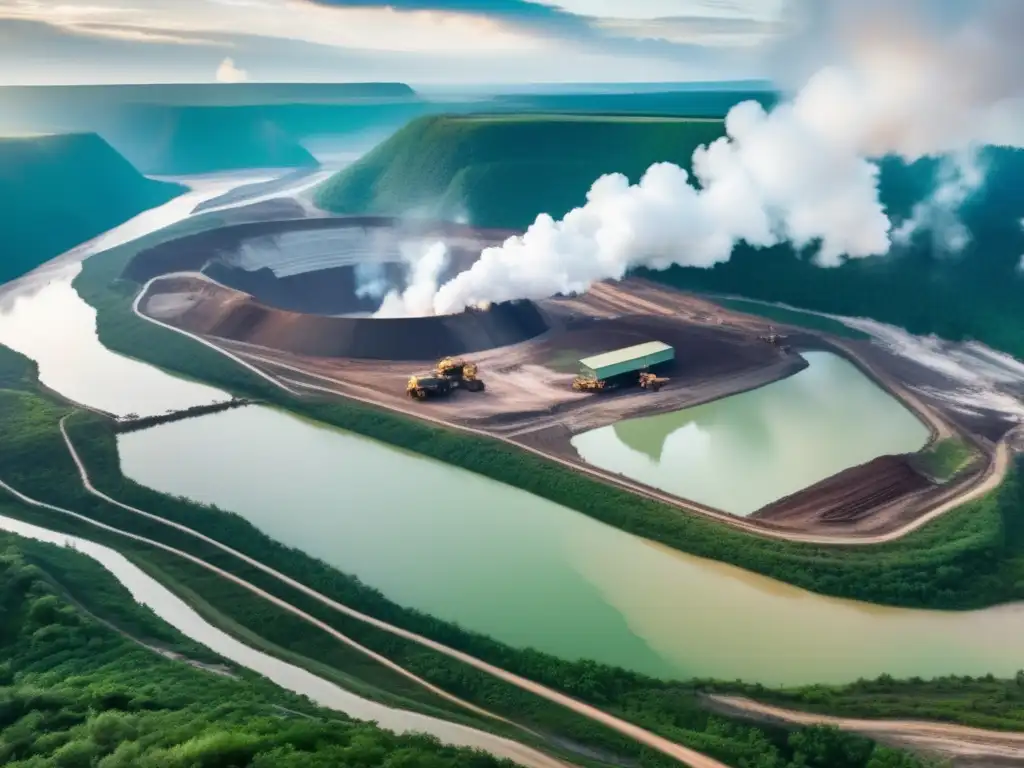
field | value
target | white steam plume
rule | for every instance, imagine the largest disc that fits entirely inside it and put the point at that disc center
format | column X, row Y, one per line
column 418, row 297
column 371, row 280
column 960, row 176
column 908, row 78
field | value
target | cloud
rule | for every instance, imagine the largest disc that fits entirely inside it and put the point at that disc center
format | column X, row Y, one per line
column 136, row 34
column 227, row 72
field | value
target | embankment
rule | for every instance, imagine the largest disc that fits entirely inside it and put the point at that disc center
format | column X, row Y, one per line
column 202, row 307
column 145, row 422
column 502, row 170
column 59, row 191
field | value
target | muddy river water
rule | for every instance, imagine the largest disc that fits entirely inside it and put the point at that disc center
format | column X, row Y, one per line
column 743, row 452
column 493, row 558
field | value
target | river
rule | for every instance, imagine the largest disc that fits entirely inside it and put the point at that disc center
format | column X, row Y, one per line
column 488, row 556
column 179, row 615
column 740, row 453
column 533, row 574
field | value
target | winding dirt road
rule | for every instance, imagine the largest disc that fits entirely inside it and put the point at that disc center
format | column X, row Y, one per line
column 665, row 746
column 990, row 479
column 943, row 738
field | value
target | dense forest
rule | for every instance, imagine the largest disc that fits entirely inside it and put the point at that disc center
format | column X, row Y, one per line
column 59, row 191
column 81, row 690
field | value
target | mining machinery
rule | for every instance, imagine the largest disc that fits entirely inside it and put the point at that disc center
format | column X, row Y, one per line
column 461, row 373
column 649, row 381
column 423, row 387
column 588, row 384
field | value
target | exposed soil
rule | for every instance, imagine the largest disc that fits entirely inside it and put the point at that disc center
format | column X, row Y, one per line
column 964, row 746
column 529, row 399
column 201, row 306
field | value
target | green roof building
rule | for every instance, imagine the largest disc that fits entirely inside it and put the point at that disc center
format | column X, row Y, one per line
column 627, row 360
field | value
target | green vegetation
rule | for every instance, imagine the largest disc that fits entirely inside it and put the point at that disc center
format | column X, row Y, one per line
column 75, row 693
column 793, row 317
column 501, row 171
column 945, row 458
column 973, row 295
column 981, row 702
column 39, row 464
column 59, row 191
column 970, row 558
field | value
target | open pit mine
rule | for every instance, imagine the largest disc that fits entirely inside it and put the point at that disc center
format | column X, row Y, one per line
column 300, row 300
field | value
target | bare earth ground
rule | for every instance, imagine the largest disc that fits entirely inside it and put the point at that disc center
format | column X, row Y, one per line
column 528, row 399
column 966, row 747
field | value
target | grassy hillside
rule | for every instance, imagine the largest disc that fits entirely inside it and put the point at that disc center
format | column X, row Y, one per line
column 191, row 140
column 59, row 191
column 502, row 170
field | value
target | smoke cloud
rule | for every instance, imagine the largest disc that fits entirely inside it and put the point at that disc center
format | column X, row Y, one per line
column 913, row 78
column 417, row 299
column 960, row 176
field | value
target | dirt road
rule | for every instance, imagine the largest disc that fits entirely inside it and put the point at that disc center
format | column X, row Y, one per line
column 990, row 479
column 955, row 741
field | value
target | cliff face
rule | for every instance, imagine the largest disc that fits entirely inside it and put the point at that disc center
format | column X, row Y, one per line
column 59, row 191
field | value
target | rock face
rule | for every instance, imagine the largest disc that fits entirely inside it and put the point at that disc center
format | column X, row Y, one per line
column 61, row 190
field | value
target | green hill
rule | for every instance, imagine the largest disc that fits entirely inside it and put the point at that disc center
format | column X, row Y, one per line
column 502, row 170
column 59, row 191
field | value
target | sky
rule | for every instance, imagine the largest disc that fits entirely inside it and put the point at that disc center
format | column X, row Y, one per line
column 414, row 41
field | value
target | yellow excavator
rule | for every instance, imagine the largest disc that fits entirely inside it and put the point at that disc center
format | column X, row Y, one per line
column 650, row 381
column 587, row 384
column 461, row 373
column 449, row 374
column 422, row 387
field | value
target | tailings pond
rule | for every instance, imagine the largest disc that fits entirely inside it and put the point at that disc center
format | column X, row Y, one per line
column 531, row 573
column 743, row 452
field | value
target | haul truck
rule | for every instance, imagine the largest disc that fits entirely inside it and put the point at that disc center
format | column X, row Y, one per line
column 449, row 374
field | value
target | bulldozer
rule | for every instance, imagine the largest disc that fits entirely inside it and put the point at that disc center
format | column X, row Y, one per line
column 423, row 387
column 649, row 381
column 587, row 384
column 460, row 373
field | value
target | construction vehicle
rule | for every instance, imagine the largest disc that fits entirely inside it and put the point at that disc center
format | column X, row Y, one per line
column 423, row 387
column 649, row 381
column 460, row 373
column 588, row 384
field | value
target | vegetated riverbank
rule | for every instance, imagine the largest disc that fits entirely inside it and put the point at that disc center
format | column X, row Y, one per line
column 964, row 559
column 131, row 423
column 80, row 688
column 670, row 709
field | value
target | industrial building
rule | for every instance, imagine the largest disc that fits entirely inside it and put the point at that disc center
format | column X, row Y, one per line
column 629, row 360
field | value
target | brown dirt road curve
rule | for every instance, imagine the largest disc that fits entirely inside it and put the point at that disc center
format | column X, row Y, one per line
column 945, row 738
column 671, row 749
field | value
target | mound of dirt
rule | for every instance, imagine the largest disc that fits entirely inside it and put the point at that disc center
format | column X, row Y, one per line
column 211, row 309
